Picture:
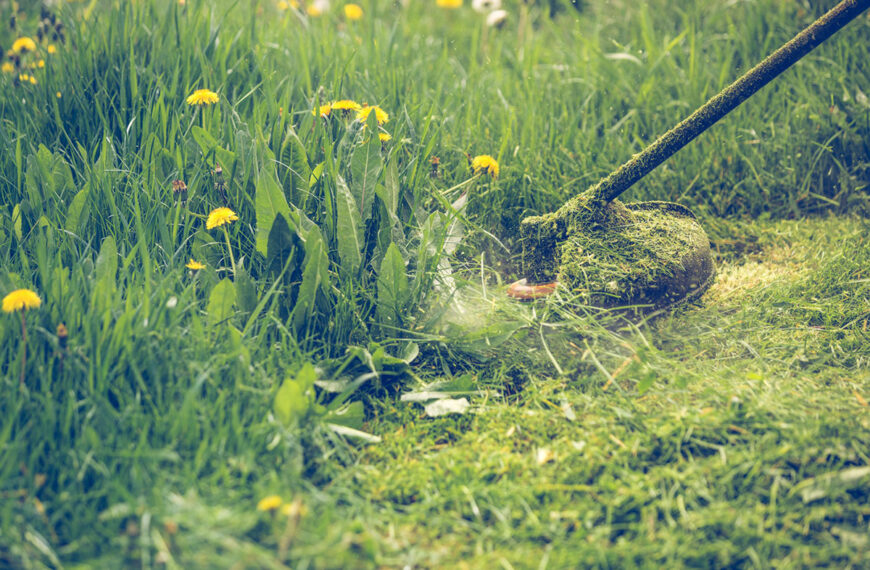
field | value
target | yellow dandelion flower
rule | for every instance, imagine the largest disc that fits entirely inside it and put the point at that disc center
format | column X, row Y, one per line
column 32, row 80
column 449, row 4
column 283, row 5
column 363, row 114
column 57, row 94
column 40, row 64
column 219, row 217
column 485, row 163
column 324, row 110
column 20, row 300
column 313, row 11
column 346, row 105
column 7, row 67
column 269, row 503
column 203, row 97
column 353, row 12
column 385, row 137
column 194, row 265
column 51, row 49
column 23, row 45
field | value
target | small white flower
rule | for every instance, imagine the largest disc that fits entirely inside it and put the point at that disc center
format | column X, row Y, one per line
column 496, row 19
column 484, row 6
column 320, row 6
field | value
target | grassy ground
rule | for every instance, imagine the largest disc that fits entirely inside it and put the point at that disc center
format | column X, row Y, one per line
column 729, row 432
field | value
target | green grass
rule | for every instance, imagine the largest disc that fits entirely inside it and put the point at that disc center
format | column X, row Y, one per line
column 728, row 432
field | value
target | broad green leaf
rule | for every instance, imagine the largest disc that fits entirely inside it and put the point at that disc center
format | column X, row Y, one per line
column 106, row 162
column 107, row 262
column 16, row 221
column 294, row 397
column 316, row 174
column 62, row 176
column 297, row 176
column 290, row 403
column 209, row 144
column 32, row 184
column 393, row 287
column 282, row 242
column 246, row 290
column 221, row 301
column 77, row 212
column 105, row 270
column 45, row 164
column 410, row 352
column 314, row 277
column 270, row 200
column 389, row 195
column 349, row 232
column 365, row 169
column 351, row 415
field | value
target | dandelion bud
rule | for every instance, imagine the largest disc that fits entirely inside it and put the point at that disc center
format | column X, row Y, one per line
column 179, row 189
column 62, row 335
column 220, row 184
column 435, row 163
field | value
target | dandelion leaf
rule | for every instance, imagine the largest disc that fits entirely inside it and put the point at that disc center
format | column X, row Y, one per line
column 294, row 397
column 221, row 301
column 246, row 290
column 366, row 165
column 107, row 263
column 296, row 175
column 78, row 211
column 393, row 290
column 349, row 230
column 314, row 277
column 210, row 145
column 351, row 415
column 282, row 243
column 269, row 200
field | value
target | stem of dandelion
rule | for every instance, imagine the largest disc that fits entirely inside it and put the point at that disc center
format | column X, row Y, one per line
column 23, row 349
column 175, row 223
column 229, row 249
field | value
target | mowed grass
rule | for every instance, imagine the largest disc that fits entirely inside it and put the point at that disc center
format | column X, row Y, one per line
column 729, row 432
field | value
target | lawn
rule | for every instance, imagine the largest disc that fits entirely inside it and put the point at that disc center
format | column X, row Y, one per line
column 253, row 299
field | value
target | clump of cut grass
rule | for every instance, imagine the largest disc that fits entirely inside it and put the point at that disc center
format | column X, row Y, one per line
column 610, row 254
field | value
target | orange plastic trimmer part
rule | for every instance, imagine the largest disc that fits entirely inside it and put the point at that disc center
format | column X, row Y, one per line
column 524, row 292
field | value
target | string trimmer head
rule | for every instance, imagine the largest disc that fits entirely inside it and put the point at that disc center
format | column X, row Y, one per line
column 653, row 254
